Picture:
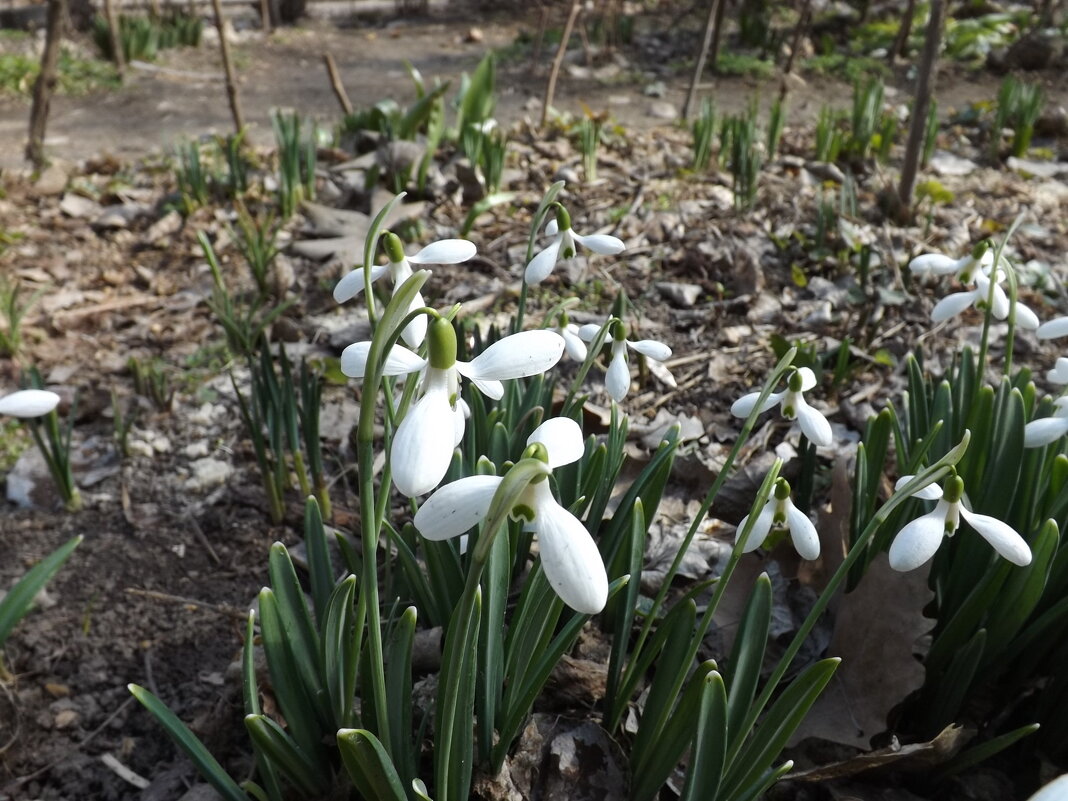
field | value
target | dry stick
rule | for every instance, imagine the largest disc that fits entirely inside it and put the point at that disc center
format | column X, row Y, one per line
column 901, row 41
column 558, row 60
column 265, row 17
column 802, row 26
column 539, row 40
column 116, row 39
column 46, row 82
column 228, row 67
column 717, row 30
column 702, row 57
column 921, row 107
column 336, row 84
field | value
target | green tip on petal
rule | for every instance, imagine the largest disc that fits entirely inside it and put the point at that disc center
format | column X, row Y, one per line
column 441, row 339
column 563, row 219
column 394, row 247
column 522, row 512
column 781, row 490
column 980, row 249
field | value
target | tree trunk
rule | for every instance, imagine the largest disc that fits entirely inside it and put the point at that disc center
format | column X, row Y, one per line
column 717, row 32
column 117, row 54
column 228, row 66
column 921, row 106
column 901, row 42
column 699, row 68
column 46, row 82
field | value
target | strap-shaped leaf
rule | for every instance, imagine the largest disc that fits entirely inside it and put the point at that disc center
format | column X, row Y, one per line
column 710, row 742
column 320, row 566
column 495, row 584
column 278, row 748
column 208, row 766
column 16, row 603
column 399, row 691
column 775, row 730
column 272, row 786
column 369, row 766
column 621, row 610
column 946, row 698
column 340, row 644
column 747, row 657
column 454, row 714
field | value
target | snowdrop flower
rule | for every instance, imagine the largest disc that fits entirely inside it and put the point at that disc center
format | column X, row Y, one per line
column 29, row 403
column 1059, row 374
column 953, row 304
column 794, row 407
column 1048, row 429
column 919, row 540
column 444, row 251
column 617, row 379
column 779, row 512
column 573, row 344
column 569, row 555
column 1053, row 329
column 563, row 246
column 425, row 439
column 1056, row 790
column 964, row 269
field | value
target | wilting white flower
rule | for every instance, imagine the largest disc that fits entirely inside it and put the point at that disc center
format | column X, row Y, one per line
column 29, row 403
column 617, row 378
column 919, row 540
column 569, row 555
column 794, row 407
column 779, row 512
column 434, row 425
column 444, row 251
column 1048, row 429
column 563, row 246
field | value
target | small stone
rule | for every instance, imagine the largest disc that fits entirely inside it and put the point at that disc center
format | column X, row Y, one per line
column 66, row 719
column 475, row 36
column 663, row 110
column 208, row 473
column 825, row 171
column 51, row 182
column 78, row 206
column 683, row 295
column 167, row 225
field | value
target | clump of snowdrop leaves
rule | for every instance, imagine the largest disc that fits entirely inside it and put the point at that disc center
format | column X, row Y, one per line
column 794, row 406
column 399, row 269
column 28, row 403
column 425, row 439
column 563, row 246
column 919, row 540
column 617, row 378
column 780, row 513
column 569, row 555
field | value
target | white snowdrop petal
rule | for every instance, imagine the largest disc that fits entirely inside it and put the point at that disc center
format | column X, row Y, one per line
column 552, row 228
column 1042, row 432
column 935, row 263
column 569, row 556
column 952, row 305
column 1026, row 318
column 600, row 243
column 456, row 507
column 573, row 345
column 813, row 424
column 1000, row 308
column 29, row 403
column 415, row 332
column 423, row 445
column 1053, row 329
column 1000, row 535
column 523, row 354
column 1059, row 373
column 1056, row 790
column 761, row 527
column 400, row 360
column 802, row 532
column 652, row 349
column 932, row 492
column 589, row 331
column 617, row 379
column 351, row 284
column 445, row 251
column 744, row 405
column 919, row 540
column 808, row 378
column 562, row 438
column 459, row 421
column 489, row 387
column 542, row 265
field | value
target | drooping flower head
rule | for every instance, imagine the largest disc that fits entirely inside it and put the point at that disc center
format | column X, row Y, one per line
column 794, row 406
column 1046, row 430
column 425, row 439
column 617, row 378
column 981, row 259
column 29, row 403
column 780, row 513
column 573, row 344
column 444, row 251
column 563, row 246
column 919, row 540
column 569, row 555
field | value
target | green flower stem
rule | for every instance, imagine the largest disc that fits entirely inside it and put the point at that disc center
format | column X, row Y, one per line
column 535, row 226
column 592, row 352
column 617, row 707
column 932, row 474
